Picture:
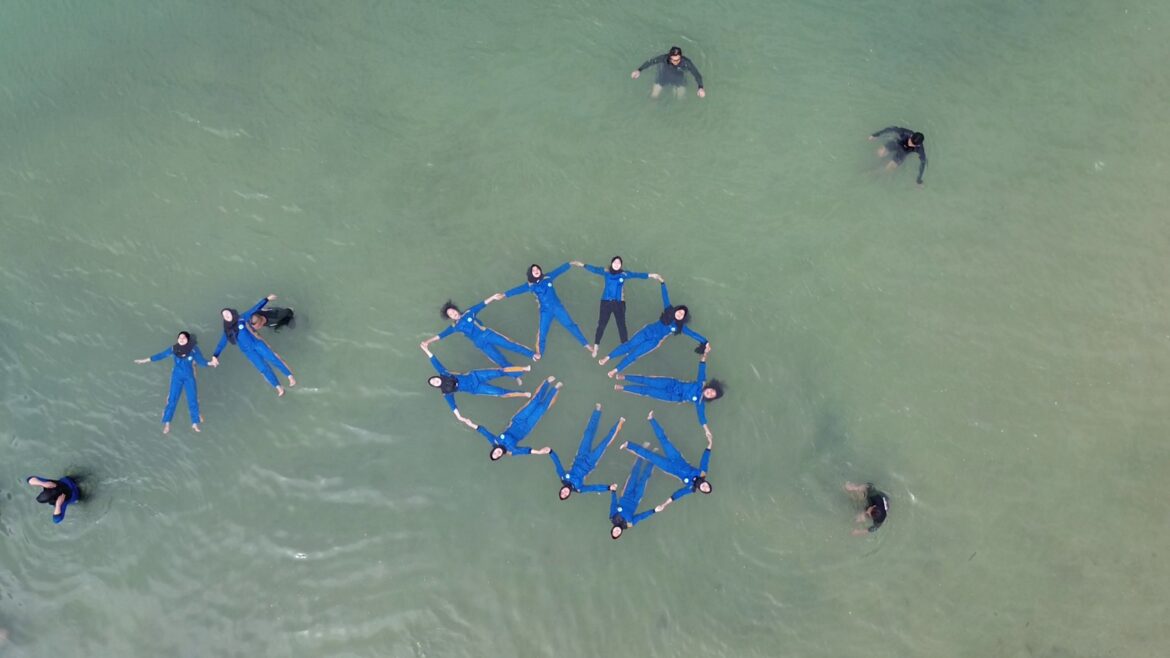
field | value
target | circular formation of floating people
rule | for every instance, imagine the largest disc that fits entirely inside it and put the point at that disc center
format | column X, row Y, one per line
column 243, row 331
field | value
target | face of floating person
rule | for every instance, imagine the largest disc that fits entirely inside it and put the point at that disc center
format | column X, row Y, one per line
column 496, row 453
column 435, row 381
column 182, row 339
column 705, row 487
column 709, row 393
column 453, row 314
column 616, row 265
column 680, row 314
column 537, row 272
column 675, row 59
column 227, row 315
column 616, row 532
column 565, row 492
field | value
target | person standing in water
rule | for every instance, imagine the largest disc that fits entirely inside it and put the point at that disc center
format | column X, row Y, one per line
column 699, row 392
column 475, row 382
column 486, row 340
column 237, row 330
column 877, row 505
column 905, row 142
column 623, row 512
column 185, row 355
column 613, row 296
column 58, row 493
column 672, row 322
column 550, row 306
column 672, row 69
column 693, row 479
column 522, row 424
column 586, row 459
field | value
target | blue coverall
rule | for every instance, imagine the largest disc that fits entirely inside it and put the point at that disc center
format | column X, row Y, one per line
column 586, row 459
column 651, row 336
column 523, row 422
column 669, row 389
column 254, row 348
column 550, row 305
column 182, row 379
column 488, row 341
column 672, row 461
column 474, row 382
column 625, row 509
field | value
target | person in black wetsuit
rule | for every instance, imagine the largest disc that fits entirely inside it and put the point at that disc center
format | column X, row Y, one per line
column 672, row 68
column 877, row 505
column 906, row 142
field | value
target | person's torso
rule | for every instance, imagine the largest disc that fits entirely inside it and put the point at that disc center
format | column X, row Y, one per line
column 468, row 325
column 544, row 291
column 613, row 286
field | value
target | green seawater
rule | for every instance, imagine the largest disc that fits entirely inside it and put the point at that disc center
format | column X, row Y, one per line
column 991, row 348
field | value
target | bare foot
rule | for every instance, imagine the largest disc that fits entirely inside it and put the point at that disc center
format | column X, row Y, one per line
column 195, row 426
column 597, row 406
column 279, row 391
column 623, row 445
column 618, row 387
column 611, row 373
column 527, row 368
column 542, row 451
column 536, row 357
column 527, row 394
column 166, row 428
column 292, row 381
column 559, row 384
column 619, row 376
column 550, row 379
column 603, row 361
column 594, row 352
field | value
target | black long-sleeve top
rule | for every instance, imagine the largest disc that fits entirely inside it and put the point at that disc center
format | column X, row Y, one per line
column 672, row 73
column 904, row 135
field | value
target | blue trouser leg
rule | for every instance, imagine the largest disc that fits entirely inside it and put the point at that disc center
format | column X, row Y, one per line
column 646, row 380
column 562, row 316
column 546, row 318
column 485, row 376
column 489, row 389
column 662, row 463
column 494, row 354
column 595, row 456
column 525, row 419
column 641, row 389
column 268, row 355
column 626, row 346
column 500, row 340
column 261, row 365
column 192, row 399
column 634, row 495
column 642, row 349
column 173, row 397
column 587, row 438
column 668, row 448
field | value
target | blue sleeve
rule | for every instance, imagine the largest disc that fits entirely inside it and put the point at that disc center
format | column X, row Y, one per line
column 595, row 269
column 486, row 434
column 450, row 398
column 474, row 310
column 557, row 464
column 259, row 305
column 518, row 290
column 702, row 372
column 685, row 491
column 637, row 275
column 705, row 461
column 219, row 346
column 163, row 354
column 438, row 365
column 665, row 297
column 199, row 358
column 613, row 503
column 557, row 272
column 694, row 334
column 701, row 410
column 521, row 450
column 446, row 332
column 594, row 488
column 658, row 431
column 638, row 518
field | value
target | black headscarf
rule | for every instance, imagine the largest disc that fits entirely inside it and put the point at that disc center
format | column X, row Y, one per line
column 230, row 327
column 448, row 384
column 183, row 351
column 610, row 266
column 532, row 279
column 667, row 316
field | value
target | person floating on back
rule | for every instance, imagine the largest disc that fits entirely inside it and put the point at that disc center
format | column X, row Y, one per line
column 549, row 304
column 486, row 340
column 613, row 297
column 623, row 513
column 237, row 330
column 522, row 424
column 693, row 479
column 185, row 354
column 699, row 392
column 905, row 142
column 672, row 322
column 672, row 68
column 877, row 505
column 58, row 493
column 473, row 383
column 586, row 459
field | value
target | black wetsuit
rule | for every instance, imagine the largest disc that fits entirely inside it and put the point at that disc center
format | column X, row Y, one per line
column 880, row 504
column 672, row 75
column 49, row 495
column 899, row 148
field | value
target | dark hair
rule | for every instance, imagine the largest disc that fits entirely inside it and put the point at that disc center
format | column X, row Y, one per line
column 447, row 306
column 564, row 486
column 667, row 316
column 492, row 455
column 918, row 138
column 714, row 384
column 675, row 50
column 447, row 383
column 184, row 350
column 610, row 266
column 532, row 279
column 229, row 326
column 699, row 483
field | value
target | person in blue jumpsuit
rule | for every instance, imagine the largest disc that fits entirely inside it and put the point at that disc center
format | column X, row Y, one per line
column 237, row 330
column 473, row 383
column 185, row 354
column 672, row 322
column 488, row 341
column 668, row 389
column 623, row 512
column 672, row 462
column 522, row 424
column 613, row 296
column 58, row 493
column 586, row 459
column 551, row 308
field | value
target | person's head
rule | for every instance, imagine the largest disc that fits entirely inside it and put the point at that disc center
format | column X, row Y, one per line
column 619, row 526
column 681, row 314
column 535, row 273
column 702, row 485
column 258, row 321
column 435, row 382
column 916, row 139
column 450, row 311
column 183, row 338
column 496, row 453
column 713, row 390
column 565, row 492
column 230, row 315
column 615, row 264
column 675, row 55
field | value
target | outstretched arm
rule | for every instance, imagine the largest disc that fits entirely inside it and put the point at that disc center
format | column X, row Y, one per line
column 638, row 518
column 921, row 162
column 157, row 357
column 486, row 434
column 690, row 66
column 259, row 305
column 665, row 297
column 696, row 336
column 557, row 464
column 199, row 358
column 648, row 63
column 439, row 367
column 518, row 290
column 557, row 272
column 705, row 462
column 223, row 341
column 883, row 131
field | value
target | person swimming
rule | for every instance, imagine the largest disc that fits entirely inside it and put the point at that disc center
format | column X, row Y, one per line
column 906, row 141
column 186, row 355
column 672, row 69
column 58, row 493
column 275, row 318
column 877, row 506
column 237, row 330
